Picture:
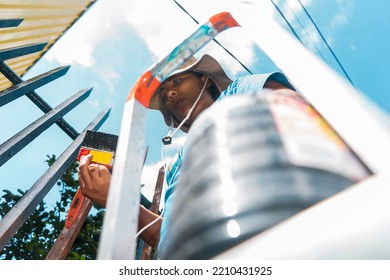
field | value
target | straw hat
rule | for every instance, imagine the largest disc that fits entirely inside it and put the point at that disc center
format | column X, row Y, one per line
column 206, row 65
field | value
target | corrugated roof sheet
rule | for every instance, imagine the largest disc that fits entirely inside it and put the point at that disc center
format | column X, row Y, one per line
column 43, row 21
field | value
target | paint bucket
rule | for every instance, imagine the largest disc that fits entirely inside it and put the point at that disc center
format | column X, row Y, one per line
column 251, row 162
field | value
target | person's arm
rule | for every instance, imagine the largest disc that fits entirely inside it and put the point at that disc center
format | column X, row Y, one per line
column 152, row 234
column 274, row 85
column 94, row 182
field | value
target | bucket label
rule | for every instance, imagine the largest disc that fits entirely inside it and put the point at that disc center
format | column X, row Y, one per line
column 309, row 140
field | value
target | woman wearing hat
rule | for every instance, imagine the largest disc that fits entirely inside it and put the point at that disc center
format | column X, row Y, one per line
column 181, row 98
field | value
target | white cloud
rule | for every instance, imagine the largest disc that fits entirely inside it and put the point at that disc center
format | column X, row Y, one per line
column 73, row 53
column 339, row 19
column 161, row 28
column 177, row 142
column 150, row 171
column 103, row 20
column 342, row 15
column 93, row 103
column 293, row 9
column 98, row 24
column 296, row 7
column 111, row 77
column 311, row 38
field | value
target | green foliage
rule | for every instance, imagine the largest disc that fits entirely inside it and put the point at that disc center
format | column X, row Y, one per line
column 38, row 234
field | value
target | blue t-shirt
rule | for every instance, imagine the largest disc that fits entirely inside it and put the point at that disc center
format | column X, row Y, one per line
column 247, row 85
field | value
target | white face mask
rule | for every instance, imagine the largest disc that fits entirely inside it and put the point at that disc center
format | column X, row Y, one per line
column 168, row 139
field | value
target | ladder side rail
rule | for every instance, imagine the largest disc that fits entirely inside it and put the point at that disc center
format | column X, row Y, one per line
column 146, row 249
column 67, row 236
column 121, row 220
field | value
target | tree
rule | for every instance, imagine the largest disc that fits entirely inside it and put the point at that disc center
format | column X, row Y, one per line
column 38, row 234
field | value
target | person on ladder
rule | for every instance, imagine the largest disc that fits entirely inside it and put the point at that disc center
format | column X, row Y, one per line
column 181, row 98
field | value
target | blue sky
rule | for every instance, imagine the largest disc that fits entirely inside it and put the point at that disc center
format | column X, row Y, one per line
column 116, row 41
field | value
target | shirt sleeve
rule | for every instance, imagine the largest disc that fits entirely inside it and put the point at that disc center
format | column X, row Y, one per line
column 253, row 84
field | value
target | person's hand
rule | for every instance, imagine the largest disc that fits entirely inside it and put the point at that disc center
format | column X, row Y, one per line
column 94, row 180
